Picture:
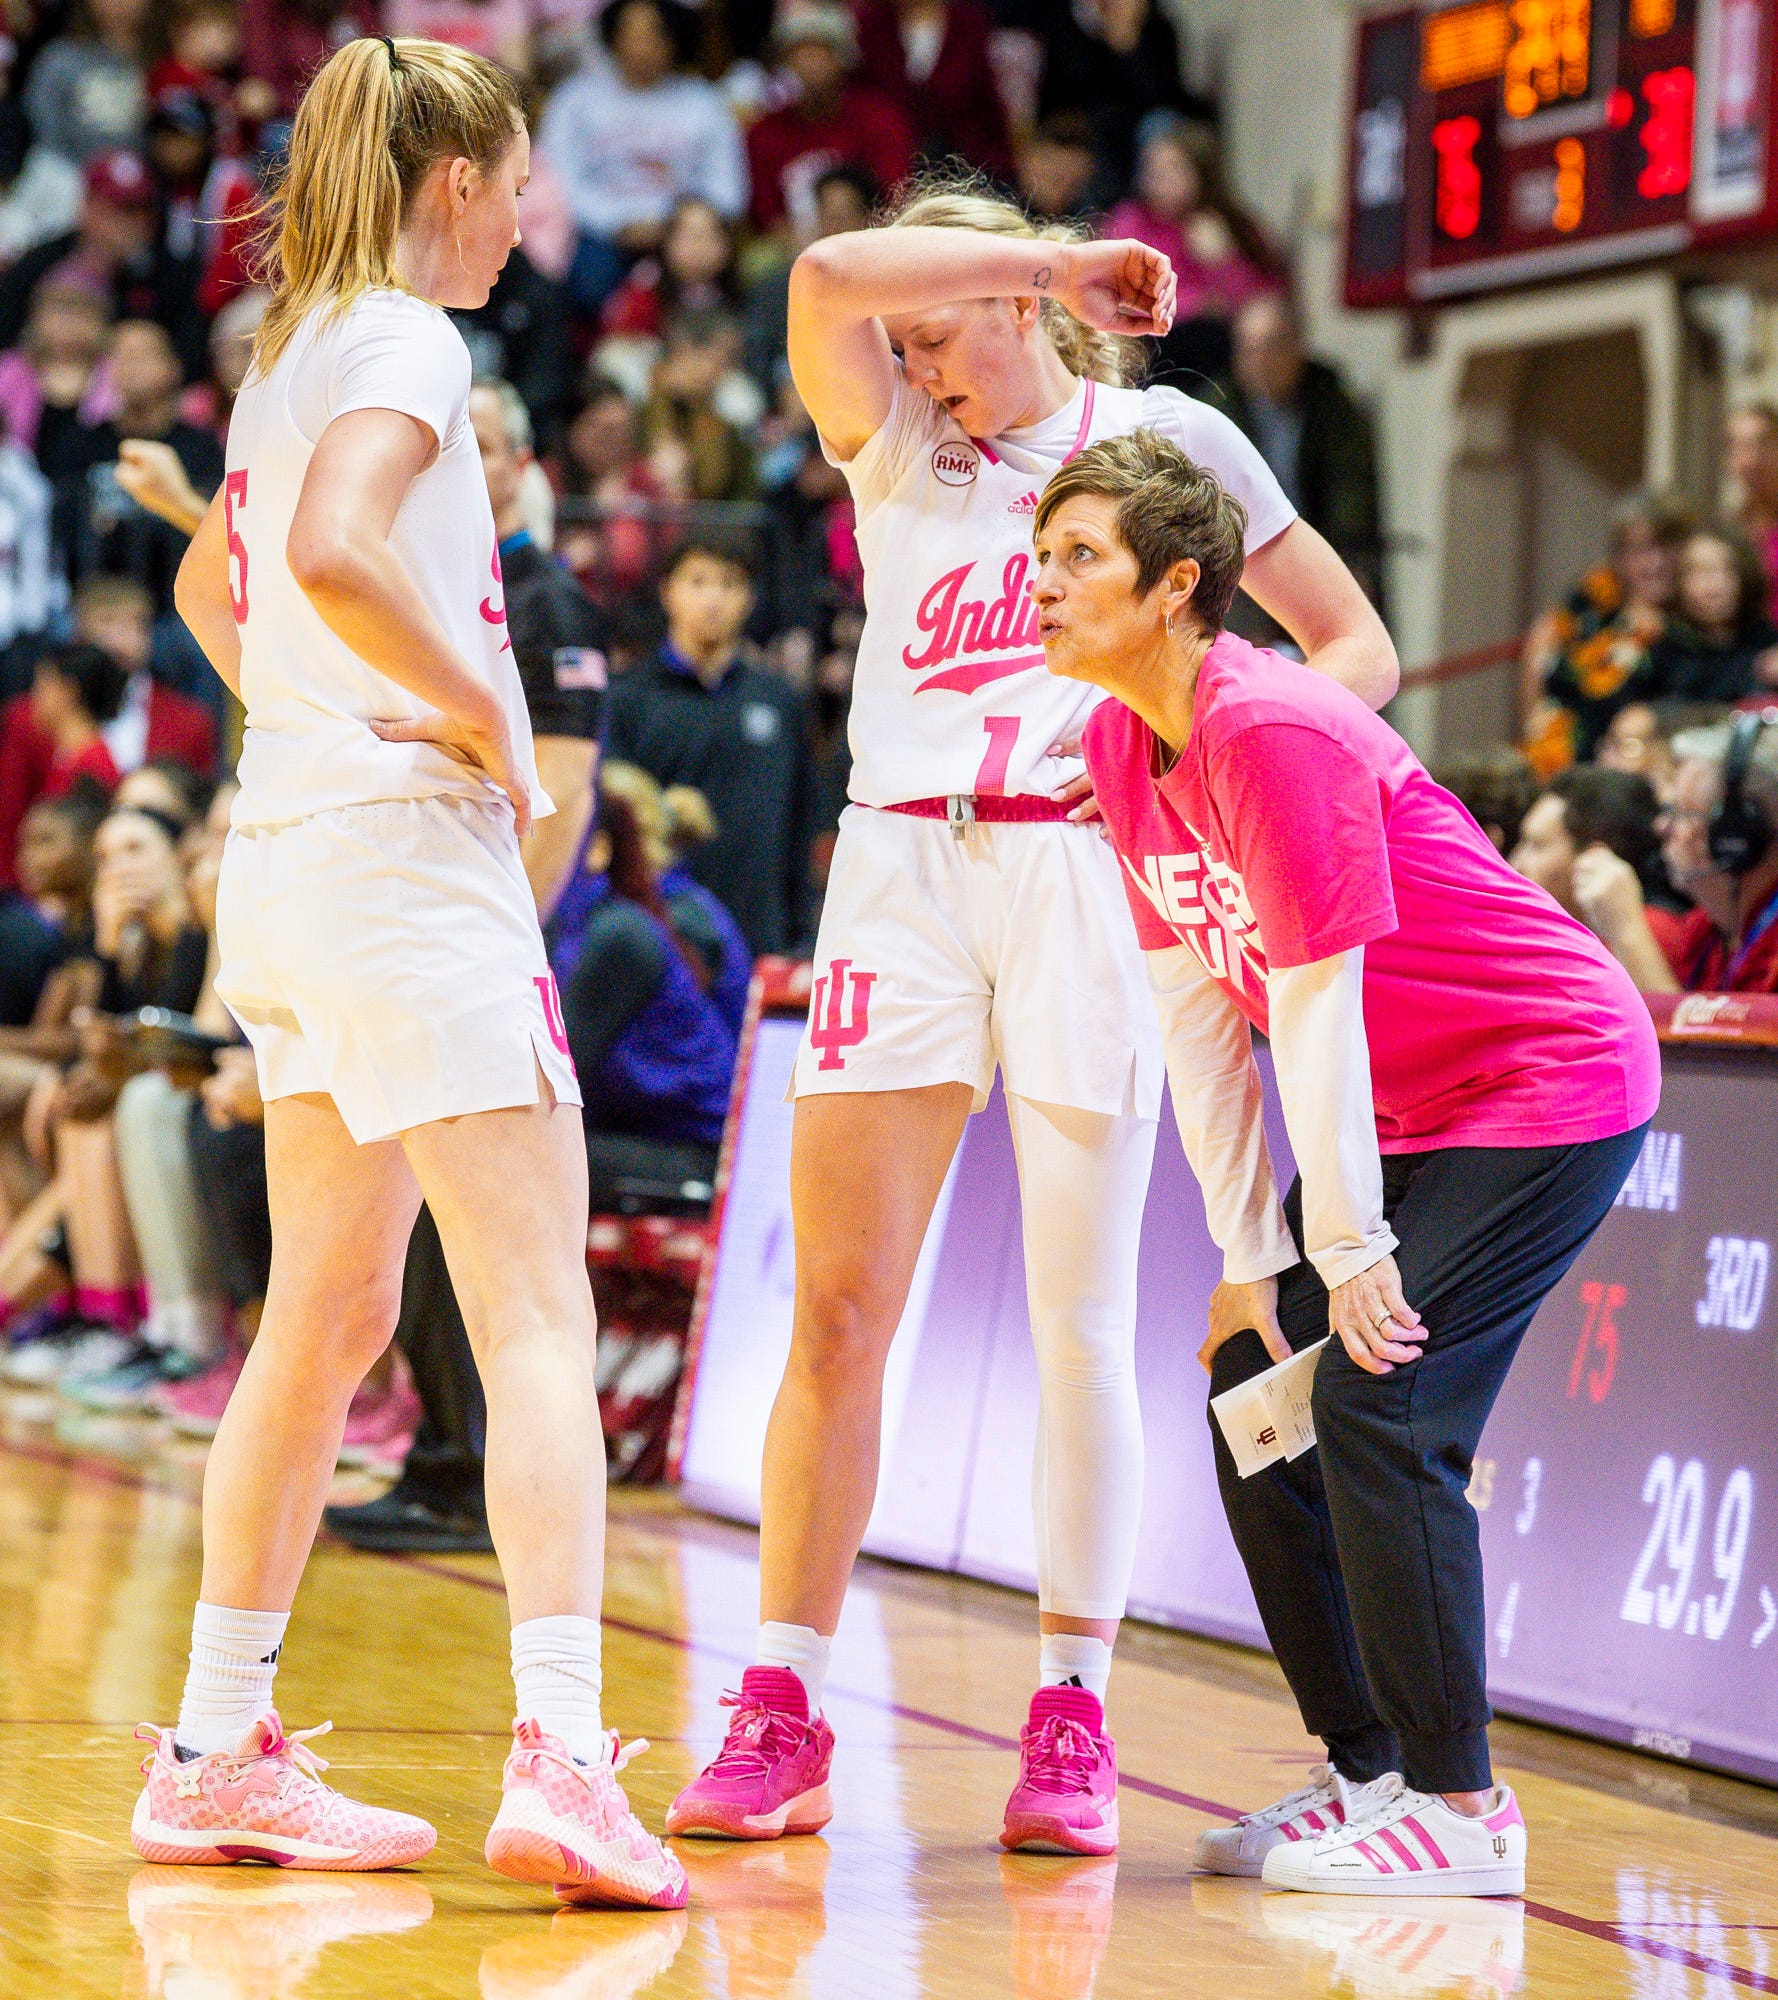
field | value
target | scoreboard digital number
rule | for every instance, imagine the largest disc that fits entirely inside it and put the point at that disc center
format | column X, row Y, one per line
column 1498, row 141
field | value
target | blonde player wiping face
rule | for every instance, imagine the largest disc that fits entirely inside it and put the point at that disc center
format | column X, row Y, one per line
column 951, row 363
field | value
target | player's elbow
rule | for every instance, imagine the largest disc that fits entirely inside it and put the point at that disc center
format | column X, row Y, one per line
column 819, row 273
column 1369, row 665
column 1382, row 666
column 320, row 558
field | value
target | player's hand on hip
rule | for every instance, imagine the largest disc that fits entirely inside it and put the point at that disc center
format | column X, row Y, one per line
column 485, row 744
column 1373, row 1322
column 1243, row 1308
column 1118, row 287
column 1076, row 793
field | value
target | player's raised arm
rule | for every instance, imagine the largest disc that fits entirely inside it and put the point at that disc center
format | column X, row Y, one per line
column 843, row 287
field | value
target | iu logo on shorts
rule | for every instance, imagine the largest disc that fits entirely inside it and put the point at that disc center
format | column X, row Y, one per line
column 832, row 1028
column 545, row 982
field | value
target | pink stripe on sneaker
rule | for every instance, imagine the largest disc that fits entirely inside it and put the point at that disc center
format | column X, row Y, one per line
column 1402, row 1848
column 1426, row 1841
column 1314, row 1819
column 1373, row 1857
column 1339, row 1813
column 1288, row 1829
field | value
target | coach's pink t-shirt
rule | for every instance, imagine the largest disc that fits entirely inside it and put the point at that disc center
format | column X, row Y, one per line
column 1297, row 824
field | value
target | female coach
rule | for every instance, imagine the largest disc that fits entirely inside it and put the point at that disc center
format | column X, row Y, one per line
column 1466, row 1076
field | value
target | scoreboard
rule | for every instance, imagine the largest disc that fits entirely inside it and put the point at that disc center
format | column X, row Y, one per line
column 1494, row 142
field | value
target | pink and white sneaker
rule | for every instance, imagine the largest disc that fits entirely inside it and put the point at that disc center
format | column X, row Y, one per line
column 1326, row 1801
column 1066, row 1799
column 194, row 1407
column 263, row 1801
column 770, row 1776
column 568, row 1825
column 1408, row 1843
column 380, row 1423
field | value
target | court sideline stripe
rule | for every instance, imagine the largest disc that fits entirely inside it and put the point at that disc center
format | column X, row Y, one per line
column 1596, row 1928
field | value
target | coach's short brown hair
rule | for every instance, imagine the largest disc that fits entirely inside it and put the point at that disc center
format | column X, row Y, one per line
column 1168, row 509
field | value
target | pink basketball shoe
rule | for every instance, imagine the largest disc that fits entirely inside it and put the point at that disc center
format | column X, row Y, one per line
column 263, row 1801
column 1066, row 1799
column 569, row 1825
column 770, row 1776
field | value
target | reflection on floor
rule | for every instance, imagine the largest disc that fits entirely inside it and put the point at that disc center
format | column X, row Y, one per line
column 1646, row 1880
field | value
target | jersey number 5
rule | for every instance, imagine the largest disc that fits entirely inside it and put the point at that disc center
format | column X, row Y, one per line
column 234, row 494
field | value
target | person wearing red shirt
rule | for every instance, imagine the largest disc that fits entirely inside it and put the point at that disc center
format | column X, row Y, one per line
column 1725, row 803
column 932, row 57
column 54, row 736
column 116, row 614
column 284, row 42
column 833, row 122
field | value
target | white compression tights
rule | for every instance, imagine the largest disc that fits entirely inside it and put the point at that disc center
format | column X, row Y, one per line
column 1083, row 1181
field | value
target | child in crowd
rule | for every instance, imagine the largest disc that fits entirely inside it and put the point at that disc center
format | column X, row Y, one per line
column 654, row 1055
column 54, row 737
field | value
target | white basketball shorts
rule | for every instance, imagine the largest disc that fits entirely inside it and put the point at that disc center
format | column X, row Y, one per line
column 939, row 958
column 389, row 955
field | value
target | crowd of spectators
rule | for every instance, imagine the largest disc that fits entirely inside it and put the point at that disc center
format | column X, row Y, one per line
column 682, row 585
column 1644, row 796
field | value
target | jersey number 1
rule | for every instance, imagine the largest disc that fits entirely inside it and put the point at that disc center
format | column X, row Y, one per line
column 1003, row 734
column 234, row 494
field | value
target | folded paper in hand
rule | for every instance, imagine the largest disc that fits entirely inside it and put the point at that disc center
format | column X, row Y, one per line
column 1267, row 1418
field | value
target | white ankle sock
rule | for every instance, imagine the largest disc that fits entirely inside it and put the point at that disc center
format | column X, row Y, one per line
column 556, row 1672
column 228, row 1684
column 800, row 1648
column 1071, row 1656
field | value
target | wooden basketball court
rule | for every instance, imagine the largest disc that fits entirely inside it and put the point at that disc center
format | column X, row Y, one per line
column 1647, row 1879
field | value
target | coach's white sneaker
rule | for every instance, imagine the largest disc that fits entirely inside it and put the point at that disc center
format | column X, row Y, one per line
column 1408, row 1843
column 1325, row 1802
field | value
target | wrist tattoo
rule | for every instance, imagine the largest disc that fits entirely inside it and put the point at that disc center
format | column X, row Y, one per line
column 1041, row 283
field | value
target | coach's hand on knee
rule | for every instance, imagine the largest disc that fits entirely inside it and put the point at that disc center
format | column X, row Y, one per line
column 1242, row 1308
column 1375, row 1324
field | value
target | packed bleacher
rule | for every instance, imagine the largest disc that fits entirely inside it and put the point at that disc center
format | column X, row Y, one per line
column 683, row 588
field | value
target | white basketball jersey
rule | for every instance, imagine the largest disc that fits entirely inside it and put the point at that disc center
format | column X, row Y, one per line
column 310, row 699
column 952, row 693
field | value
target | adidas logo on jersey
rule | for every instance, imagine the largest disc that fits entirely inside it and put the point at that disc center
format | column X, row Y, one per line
column 1026, row 503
